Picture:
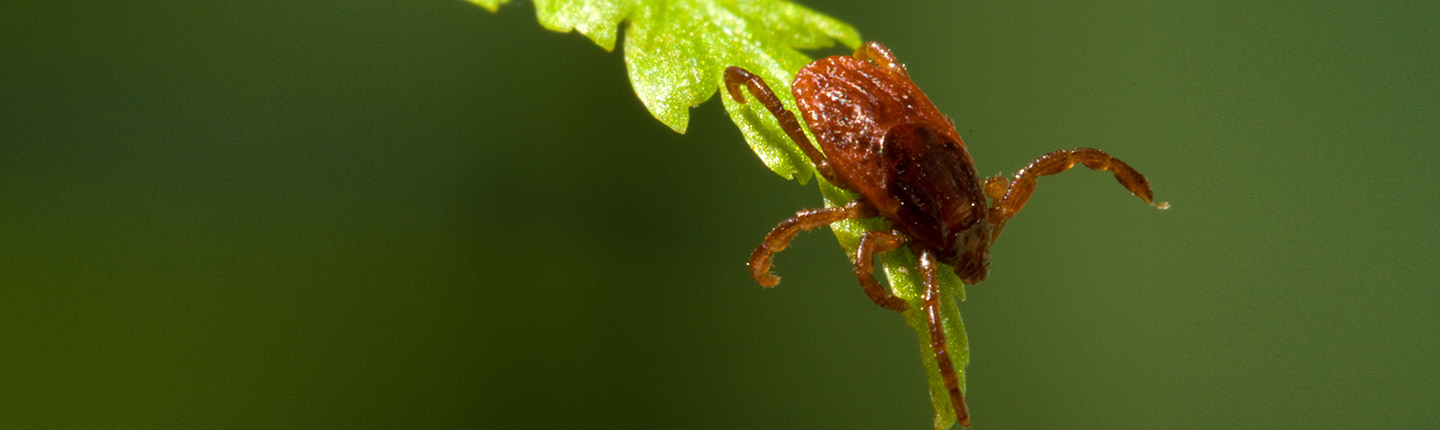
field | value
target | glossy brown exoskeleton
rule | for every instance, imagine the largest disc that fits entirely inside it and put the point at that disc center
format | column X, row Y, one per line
column 883, row 139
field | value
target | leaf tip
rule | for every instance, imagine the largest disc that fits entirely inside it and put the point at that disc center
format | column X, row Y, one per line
column 490, row 5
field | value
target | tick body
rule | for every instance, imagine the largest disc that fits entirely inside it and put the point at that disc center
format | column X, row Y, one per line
column 881, row 138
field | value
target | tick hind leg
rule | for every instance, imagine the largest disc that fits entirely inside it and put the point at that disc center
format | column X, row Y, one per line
column 782, row 234
column 735, row 77
column 1008, row 203
column 937, row 338
column 877, row 52
column 872, row 243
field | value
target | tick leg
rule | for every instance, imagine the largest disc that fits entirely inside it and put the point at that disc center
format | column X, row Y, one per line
column 937, row 338
column 1020, row 189
column 877, row 52
column 782, row 234
column 995, row 187
column 872, row 243
column 735, row 76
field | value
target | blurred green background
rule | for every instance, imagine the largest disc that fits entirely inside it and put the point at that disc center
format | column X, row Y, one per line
column 325, row 214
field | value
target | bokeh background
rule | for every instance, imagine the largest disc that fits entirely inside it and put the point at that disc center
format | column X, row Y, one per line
column 326, row 214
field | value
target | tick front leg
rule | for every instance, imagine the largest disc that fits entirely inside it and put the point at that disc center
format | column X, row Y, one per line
column 937, row 338
column 735, row 76
column 782, row 234
column 1023, row 186
column 877, row 52
column 872, row 243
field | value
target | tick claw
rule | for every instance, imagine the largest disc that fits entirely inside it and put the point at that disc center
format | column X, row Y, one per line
column 897, row 305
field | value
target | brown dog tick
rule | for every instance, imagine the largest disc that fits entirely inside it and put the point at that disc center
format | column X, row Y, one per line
column 883, row 139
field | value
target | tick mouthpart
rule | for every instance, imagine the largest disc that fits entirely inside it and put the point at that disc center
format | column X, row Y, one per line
column 973, row 268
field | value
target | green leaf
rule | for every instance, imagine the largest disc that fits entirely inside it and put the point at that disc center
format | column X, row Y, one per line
column 676, row 52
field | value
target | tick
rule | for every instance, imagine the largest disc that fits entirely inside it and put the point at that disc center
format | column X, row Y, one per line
column 881, row 138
